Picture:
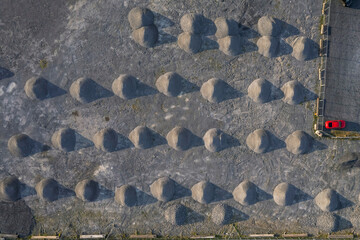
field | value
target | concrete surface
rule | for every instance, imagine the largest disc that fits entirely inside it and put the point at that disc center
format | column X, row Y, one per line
column 342, row 81
column 65, row 40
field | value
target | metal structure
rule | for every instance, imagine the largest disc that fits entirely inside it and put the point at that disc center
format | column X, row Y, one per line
column 324, row 48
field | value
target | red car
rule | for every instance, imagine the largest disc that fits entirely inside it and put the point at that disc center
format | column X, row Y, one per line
column 335, row 124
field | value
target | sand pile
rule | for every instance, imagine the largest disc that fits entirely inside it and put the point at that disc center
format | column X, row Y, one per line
column 48, row 189
column 226, row 27
column 284, row 194
column 36, row 88
column 298, row 142
column 140, row 17
column 163, row 189
column 87, row 190
column 268, row 46
column 268, row 26
column 141, row 137
column 293, row 92
column 260, row 90
column 245, row 193
column 230, row 45
column 84, row 90
column 176, row 214
column 10, row 189
column 258, row 141
column 214, row 140
column 64, row 139
column 21, row 145
column 304, row 49
column 327, row 222
column 213, row 90
column 192, row 23
column 169, row 84
column 189, row 42
column 146, row 36
column 144, row 32
column 179, row 138
column 327, row 200
column 106, row 140
column 125, row 86
column 203, row 192
column 126, row 195
column 221, row 214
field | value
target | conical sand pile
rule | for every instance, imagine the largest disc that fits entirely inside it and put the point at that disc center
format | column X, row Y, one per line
column 268, row 46
column 260, row 90
column 179, row 138
column 36, row 88
column 189, row 42
column 21, row 145
column 221, row 214
column 141, row 137
column 163, row 189
column 298, row 142
column 327, row 222
column 214, row 140
column 48, row 189
column 169, row 84
column 192, row 23
column 176, row 214
column 293, row 92
column 230, row 45
column 125, row 86
column 213, row 90
column 284, row 194
column 327, row 200
column 245, row 193
column 87, row 190
column 10, row 189
column 144, row 32
column 106, row 140
column 84, row 90
column 126, row 195
column 268, row 26
column 203, row 192
column 258, row 141
column 225, row 27
column 64, row 139
column 303, row 49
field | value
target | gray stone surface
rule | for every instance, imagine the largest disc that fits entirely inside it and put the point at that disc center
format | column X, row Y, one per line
column 90, row 38
column 327, row 222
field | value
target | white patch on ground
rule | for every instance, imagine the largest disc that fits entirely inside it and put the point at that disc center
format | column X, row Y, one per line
column 172, row 106
column 103, row 171
column 11, row 87
column 186, row 108
column 168, row 116
column 183, row 118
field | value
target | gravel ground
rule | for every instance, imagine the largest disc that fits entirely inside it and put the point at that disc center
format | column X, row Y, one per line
column 65, row 40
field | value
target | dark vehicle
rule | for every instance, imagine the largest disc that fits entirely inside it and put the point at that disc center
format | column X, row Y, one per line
column 346, row 3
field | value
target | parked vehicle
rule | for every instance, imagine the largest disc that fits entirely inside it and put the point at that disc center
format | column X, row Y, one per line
column 333, row 124
column 346, row 3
